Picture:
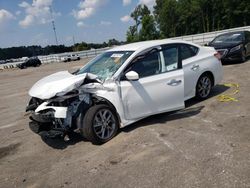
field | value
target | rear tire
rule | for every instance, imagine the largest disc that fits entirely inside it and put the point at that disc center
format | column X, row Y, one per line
column 100, row 124
column 204, row 87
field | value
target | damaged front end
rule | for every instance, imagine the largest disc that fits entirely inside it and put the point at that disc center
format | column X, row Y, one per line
column 58, row 115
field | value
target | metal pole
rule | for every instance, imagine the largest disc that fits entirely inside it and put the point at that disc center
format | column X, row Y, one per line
column 53, row 24
column 74, row 40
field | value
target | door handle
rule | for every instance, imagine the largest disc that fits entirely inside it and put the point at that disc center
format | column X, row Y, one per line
column 174, row 82
column 195, row 67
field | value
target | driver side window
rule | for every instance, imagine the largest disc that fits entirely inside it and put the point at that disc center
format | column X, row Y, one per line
column 147, row 66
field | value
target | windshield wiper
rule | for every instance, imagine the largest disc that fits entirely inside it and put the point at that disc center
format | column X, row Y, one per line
column 75, row 72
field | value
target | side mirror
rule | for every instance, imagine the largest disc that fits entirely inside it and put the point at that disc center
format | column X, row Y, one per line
column 132, row 75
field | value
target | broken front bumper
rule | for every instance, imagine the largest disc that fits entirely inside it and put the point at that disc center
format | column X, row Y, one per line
column 56, row 112
column 42, row 118
column 49, row 118
column 45, row 113
column 57, row 117
column 49, row 123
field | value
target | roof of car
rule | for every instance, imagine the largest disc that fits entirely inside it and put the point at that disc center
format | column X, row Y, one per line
column 233, row 32
column 145, row 44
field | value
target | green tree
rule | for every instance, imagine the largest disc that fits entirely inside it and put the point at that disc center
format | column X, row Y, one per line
column 144, row 28
column 148, row 29
column 132, row 35
column 81, row 46
column 184, row 17
column 113, row 42
column 138, row 14
column 166, row 14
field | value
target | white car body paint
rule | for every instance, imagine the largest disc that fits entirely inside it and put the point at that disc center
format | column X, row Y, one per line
column 193, row 68
column 150, row 95
column 135, row 100
column 60, row 112
column 58, row 84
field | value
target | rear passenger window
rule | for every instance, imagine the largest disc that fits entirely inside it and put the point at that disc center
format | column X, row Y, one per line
column 188, row 51
column 171, row 58
column 194, row 49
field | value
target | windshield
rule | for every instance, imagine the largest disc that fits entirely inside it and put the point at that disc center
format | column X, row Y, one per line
column 105, row 65
column 232, row 37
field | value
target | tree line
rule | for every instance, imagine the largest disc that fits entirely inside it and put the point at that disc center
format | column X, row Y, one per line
column 29, row 51
column 172, row 18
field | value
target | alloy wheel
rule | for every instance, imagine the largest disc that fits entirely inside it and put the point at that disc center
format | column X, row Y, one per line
column 204, row 86
column 104, row 123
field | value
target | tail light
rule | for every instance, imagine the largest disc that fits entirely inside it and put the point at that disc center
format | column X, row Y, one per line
column 217, row 55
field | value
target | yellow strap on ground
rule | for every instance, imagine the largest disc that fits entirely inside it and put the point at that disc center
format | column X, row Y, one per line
column 229, row 97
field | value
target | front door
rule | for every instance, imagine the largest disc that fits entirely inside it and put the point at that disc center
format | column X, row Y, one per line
column 160, row 87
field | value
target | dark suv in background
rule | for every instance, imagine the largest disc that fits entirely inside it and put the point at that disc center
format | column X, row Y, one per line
column 234, row 46
column 31, row 62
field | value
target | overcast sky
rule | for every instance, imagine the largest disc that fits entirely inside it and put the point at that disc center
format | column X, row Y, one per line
column 29, row 22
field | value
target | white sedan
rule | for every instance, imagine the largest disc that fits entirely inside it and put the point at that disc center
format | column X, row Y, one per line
column 121, row 86
column 71, row 57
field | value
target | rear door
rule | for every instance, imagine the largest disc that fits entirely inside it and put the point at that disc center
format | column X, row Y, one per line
column 159, row 89
column 191, row 68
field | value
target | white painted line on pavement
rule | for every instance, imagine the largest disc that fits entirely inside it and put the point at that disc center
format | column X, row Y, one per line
column 15, row 94
column 8, row 125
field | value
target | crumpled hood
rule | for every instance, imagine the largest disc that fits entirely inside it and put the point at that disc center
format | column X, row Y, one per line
column 58, row 84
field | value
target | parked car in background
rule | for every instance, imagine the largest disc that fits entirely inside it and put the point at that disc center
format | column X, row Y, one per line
column 30, row 62
column 234, row 46
column 2, row 62
column 123, row 85
column 23, row 59
column 71, row 57
column 9, row 61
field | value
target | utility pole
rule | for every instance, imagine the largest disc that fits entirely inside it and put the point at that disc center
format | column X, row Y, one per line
column 53, row 24
column 74, row 40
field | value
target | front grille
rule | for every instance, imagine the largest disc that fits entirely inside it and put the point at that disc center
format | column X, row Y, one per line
column 222, row 52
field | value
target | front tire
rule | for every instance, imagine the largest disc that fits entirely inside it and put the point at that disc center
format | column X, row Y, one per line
column 203, row 87
column 100, row 124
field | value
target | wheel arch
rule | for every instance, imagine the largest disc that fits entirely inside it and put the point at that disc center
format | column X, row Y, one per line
column 101, row 100
column 95, row 100
column 210, row 74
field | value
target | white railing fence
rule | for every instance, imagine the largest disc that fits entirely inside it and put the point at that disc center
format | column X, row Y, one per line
column 82, row 54
column 204, row 38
